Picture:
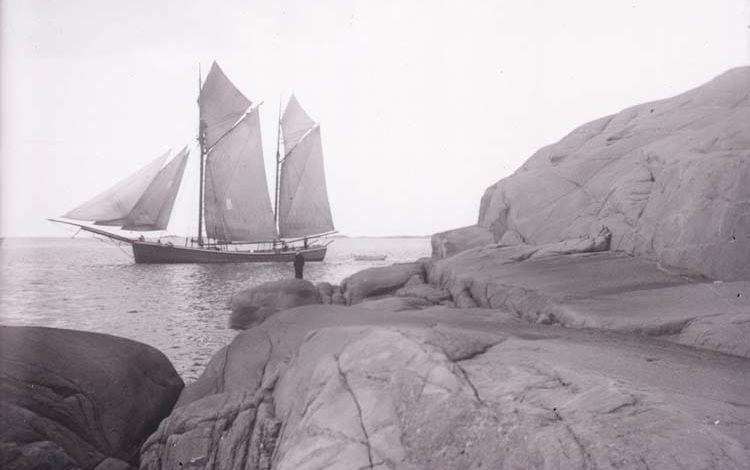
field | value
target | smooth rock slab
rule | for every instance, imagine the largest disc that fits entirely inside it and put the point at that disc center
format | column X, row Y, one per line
column 78, row 399
column 600, row 290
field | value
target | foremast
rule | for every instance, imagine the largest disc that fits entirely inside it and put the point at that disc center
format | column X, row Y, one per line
column 202, row 159
column 278, row 172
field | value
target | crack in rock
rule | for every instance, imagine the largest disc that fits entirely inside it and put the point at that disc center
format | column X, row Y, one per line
column 345, row 384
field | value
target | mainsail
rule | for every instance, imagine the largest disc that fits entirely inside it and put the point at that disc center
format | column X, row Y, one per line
column 113, row 205
column 303, row 209
column 237, row 203
column 155, row 205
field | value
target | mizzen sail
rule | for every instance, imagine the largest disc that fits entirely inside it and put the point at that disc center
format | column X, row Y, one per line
column 304, row 209
column 237, row 203
column 221, row 105
column 153, row 209
column 113, row 205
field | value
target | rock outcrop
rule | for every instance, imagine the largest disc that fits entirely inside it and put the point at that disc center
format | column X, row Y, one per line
column 72, row 399
column 599, row 290
column 396, row 380
column 346, row 387
column 252, row 306
column 670, row 179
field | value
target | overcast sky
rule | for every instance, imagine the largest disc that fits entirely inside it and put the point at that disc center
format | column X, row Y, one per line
column 422, row 104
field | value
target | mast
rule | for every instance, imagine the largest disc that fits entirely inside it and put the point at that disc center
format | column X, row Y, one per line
column 278, row 167
column 201, row 158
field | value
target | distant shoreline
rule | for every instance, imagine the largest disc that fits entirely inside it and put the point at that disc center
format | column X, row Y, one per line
column 181, row 236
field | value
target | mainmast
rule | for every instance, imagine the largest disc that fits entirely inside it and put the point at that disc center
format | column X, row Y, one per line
column 278, row 168
column 202, row 158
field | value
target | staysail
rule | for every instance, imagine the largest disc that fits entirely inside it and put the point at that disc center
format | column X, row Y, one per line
column 153, row 209
column 304, row 209
column 221, row 105
column 237, row 203
column 113, row 205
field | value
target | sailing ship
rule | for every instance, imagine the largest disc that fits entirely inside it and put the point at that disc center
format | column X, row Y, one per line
column 236, row 222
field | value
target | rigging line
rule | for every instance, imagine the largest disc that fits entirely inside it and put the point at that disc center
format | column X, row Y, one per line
column 251, row 109
column 112, row 242
column 119, row 246
column 299, row 141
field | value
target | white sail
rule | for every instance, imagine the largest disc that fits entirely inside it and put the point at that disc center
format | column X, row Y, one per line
column 237, row 203
column 113, row 205
column 294, row 124
column 221, row 105
column 153, row 209
column 304, row 209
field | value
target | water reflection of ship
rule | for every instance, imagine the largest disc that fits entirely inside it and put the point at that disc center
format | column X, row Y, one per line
column 235, row 220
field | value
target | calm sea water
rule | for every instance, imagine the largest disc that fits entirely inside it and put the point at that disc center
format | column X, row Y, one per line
column 90, row 284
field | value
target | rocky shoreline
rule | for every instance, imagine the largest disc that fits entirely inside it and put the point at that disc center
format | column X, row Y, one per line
column 597, row 316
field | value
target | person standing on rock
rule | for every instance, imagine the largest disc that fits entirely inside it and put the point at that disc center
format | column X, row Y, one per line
column 299, row 264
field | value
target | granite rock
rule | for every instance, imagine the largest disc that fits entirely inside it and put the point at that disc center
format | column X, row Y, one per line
column 670, row 179
column 346, row 387
column 73, row 399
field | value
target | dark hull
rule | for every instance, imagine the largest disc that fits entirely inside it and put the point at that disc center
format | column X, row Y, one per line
column 148, row 252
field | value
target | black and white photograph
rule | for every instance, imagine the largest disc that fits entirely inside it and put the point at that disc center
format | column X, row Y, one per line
column 392, row 234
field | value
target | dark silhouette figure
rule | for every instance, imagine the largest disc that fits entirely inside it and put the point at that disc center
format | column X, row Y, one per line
column 299, row 264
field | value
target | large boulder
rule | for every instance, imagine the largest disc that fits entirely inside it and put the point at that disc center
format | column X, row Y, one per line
column 379, row 281
column 450, row 242
column 670, row 179
column 252, row 306
column 73, row 399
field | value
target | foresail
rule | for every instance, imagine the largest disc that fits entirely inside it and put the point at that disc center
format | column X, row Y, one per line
column 153, row 209
column 303, row 200
column 237, row 202
column 295, row 123
column 221, row 105
column 113, row 205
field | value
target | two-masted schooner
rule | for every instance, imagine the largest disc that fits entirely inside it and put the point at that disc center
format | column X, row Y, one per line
column 236, row 222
